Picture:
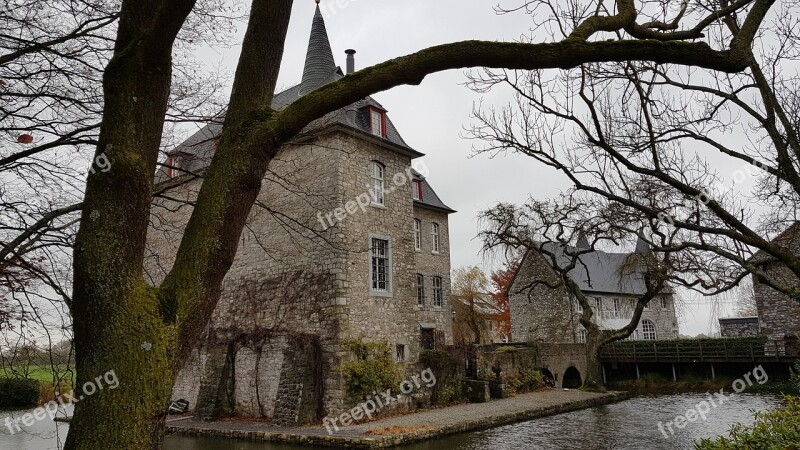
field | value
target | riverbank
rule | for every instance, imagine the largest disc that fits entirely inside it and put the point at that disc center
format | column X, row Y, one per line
column 656, row 385
column 407, row 429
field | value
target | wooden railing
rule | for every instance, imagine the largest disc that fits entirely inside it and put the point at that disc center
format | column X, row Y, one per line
column 744, row 349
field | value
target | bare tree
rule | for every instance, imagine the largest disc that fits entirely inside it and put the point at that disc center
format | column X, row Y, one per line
column 551, row 229
column 649, row 139
column 114, row 309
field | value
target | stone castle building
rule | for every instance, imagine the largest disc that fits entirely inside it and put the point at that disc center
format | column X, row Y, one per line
column 543, row 310
column 778, row 314
column 345, row 241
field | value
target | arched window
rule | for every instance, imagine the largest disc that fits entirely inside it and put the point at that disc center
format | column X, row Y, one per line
column 648, row 330
column 377, row 183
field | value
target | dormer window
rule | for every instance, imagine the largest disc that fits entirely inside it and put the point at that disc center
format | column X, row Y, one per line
column 377, row 121
column 173, row 164
column 416, row 190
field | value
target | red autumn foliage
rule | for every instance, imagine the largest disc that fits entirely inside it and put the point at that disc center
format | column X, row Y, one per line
column 502, row 282
column 25, row 139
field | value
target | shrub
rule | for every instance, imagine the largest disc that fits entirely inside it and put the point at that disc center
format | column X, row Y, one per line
column 779, row 429
column 524, row 381
column 18, row 392
column 371, row 369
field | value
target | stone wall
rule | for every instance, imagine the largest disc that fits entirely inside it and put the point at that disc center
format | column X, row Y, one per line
column 539, row 312
column 431, row 264
column 778, row 314
column 510, row 362
column 297, row 272
column 739, row 327
column 393, row 317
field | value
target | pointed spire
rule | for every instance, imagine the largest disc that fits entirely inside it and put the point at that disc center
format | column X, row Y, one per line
column 642, row 246
column 583, row 241
column 320, row 64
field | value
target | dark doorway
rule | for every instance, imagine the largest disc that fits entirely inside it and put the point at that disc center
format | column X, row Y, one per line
column 427, row 338
column 548, row 378
column 572, row 379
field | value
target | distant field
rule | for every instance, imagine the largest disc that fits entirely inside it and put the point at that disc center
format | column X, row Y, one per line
column 41, row 373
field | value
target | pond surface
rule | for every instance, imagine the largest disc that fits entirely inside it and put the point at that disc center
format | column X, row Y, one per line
column 632, row 424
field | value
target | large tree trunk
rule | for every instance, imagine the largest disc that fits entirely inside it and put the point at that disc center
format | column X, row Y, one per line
column 139, row 333
column 594, row 369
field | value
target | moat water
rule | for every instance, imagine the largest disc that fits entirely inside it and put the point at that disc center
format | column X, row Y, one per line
column 631, row 424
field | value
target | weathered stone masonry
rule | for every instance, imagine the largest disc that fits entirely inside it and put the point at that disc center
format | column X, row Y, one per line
column 301, row 279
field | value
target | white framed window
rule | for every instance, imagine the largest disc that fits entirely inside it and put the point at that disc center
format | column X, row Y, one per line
column 400, row 352
column 578, row 307
column 582, row 337
column 377, row 122
column 420, row 290
column 378, row 188
column 648, row 330
column 416, row 190
column 617, row 311
column 437, row 292
column 381, row 266
column 598, row 305
column 417, row 234
column 664, row 302
column 435, row 237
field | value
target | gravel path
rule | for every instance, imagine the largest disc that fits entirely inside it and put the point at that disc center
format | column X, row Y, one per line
column 459, row 416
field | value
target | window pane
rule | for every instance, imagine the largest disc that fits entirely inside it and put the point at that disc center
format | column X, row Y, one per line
column 417, row 234
column 380, row 264
column 377, row 123
column 420, row 290
column 437, row 291
column 377, row 183
column 435, row 236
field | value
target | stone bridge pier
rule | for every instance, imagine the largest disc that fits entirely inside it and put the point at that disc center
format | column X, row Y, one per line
column 565, row 363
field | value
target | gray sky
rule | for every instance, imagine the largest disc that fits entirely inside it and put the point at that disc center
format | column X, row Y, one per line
column 431, row 117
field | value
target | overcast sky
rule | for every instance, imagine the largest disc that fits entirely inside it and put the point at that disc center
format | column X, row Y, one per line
column 432, row 117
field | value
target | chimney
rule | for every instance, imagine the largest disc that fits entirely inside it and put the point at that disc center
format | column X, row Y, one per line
column 351, row 61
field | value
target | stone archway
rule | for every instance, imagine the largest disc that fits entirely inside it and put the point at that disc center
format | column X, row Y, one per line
column 572, row 378
column 548, row 378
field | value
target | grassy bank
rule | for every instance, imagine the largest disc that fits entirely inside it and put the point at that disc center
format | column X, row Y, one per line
column 656, row 384
column 50, row 379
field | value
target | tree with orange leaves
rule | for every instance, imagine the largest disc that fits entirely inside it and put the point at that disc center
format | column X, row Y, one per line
column 502, row 279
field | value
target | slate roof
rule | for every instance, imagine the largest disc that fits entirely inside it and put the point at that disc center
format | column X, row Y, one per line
column 429, row 198
column 599, row 271
column 320, row 69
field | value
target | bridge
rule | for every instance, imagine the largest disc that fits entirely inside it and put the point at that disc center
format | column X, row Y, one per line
column 711, row 354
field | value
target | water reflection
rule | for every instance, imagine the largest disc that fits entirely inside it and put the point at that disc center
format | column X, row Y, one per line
column 630, row 425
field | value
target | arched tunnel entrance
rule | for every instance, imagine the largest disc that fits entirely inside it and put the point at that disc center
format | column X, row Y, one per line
column 572, row 379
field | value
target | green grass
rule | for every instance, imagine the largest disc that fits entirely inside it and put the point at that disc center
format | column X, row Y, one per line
column 42, row 373
column 47, row 376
